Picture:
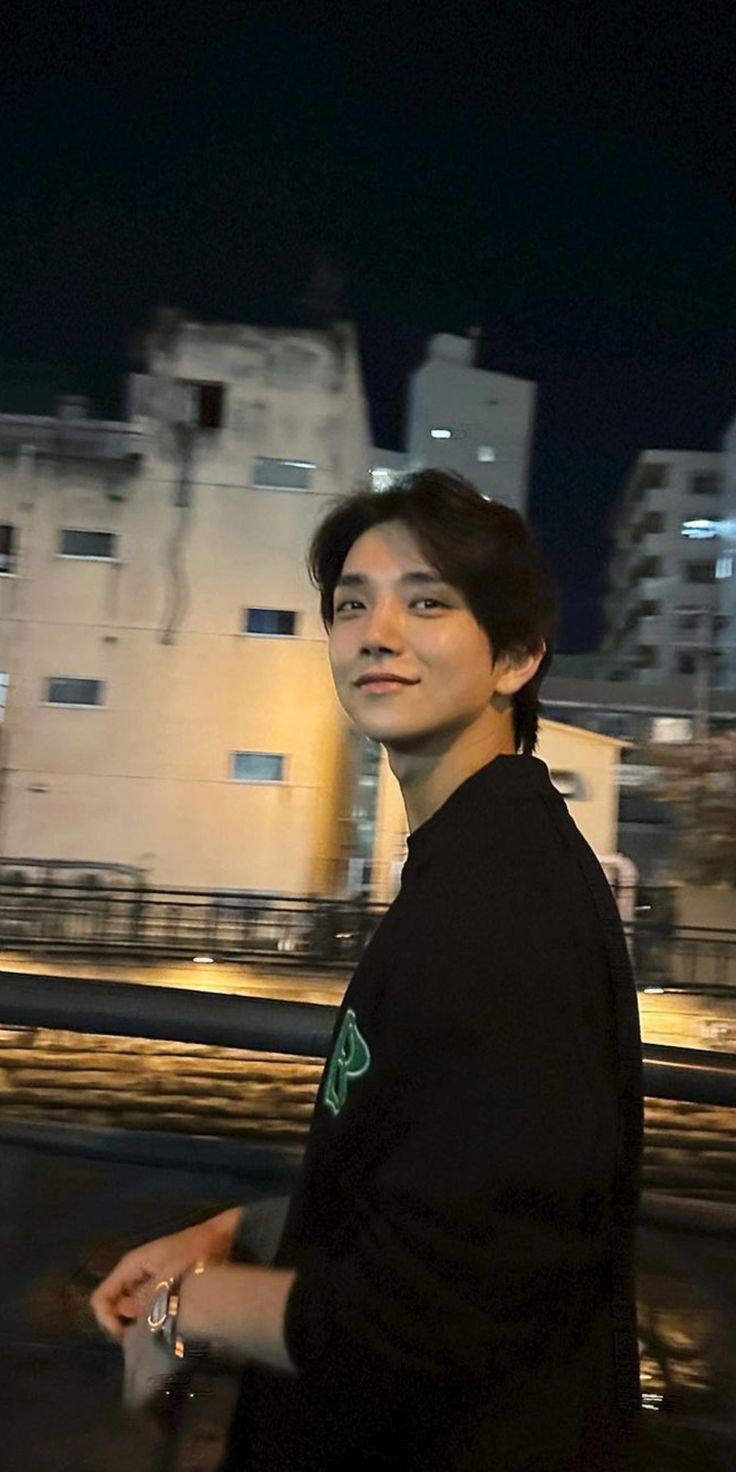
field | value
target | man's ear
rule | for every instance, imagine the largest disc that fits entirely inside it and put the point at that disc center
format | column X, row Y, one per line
column 519, row 667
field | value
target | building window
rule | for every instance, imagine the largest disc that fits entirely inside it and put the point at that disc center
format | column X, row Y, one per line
column 441, row 434
column 282, row 475
column 3, row 693
column 671, row 729
column 206, row 404
column 654, row 521
column 724, row 567
column 685, row 663
column 257, row 766
column 649, row 567
column 704, row 483
column 646, row 656
column 699, row 572
column 486, row 454
column 7, row 548
column 688, row 621
column 269, row 621
column 648, row 609
column 63, row 691
column 650, row 478
column 100, row 546
column 569, row 784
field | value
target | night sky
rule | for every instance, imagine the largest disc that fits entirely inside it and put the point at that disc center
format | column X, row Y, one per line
column 563, row 176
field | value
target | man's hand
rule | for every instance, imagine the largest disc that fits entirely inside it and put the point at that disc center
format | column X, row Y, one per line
column 125, row 1293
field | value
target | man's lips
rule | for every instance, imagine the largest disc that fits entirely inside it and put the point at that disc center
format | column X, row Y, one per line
column 383, row 680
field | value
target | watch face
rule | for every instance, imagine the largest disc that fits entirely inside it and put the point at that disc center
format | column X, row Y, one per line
column 159, row 1307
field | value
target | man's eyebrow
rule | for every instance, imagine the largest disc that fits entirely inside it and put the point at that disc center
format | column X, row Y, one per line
column 409, row 579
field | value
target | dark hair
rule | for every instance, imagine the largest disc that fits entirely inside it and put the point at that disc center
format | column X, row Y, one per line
column 483, row 548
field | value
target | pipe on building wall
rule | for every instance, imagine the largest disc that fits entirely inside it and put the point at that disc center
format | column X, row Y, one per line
column 27, row 463
column 178, row 597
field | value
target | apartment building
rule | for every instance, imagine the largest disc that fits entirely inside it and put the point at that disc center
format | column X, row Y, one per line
column 666, row 607
column 727, row 552
column 168, row 704
column 465, row 418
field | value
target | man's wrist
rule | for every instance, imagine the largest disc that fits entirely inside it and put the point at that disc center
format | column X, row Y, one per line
column 163, row 1317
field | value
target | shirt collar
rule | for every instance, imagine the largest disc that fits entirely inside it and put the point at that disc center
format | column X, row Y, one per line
column 507, row 778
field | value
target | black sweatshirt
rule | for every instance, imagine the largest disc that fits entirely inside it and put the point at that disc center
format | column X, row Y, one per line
column 463, row 1227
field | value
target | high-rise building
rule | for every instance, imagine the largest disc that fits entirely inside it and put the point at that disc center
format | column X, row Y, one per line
column 727, row 559
column 665, row 608
column 464, row 418
column 168, row 704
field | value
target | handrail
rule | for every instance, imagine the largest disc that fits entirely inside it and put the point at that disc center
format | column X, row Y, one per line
column 171, row 1014
column 299, row 1029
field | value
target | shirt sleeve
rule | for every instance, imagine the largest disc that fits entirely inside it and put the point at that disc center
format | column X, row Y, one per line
column 483, row 1228
column 259, row 1229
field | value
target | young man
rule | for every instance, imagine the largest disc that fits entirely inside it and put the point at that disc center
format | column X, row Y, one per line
column 453, row 1285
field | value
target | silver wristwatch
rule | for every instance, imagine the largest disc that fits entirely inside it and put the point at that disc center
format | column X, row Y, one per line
column 164, row 1313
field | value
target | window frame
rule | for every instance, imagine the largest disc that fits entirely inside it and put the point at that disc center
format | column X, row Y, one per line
column 75, row 704
column 689, row 567
column 83, row 531
column 12, row 553
column 257, row 781
column 257, row 485
column 712, row 489
column 269, row 633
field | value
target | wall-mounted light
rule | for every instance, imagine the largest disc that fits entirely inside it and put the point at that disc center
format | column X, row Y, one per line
column 699, row 531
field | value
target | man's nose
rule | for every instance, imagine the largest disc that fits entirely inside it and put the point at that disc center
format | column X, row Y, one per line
column 384, row 627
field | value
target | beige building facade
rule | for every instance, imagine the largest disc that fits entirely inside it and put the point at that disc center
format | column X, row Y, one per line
column 168, row 700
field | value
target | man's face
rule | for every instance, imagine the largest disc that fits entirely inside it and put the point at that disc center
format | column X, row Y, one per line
column 401, row 619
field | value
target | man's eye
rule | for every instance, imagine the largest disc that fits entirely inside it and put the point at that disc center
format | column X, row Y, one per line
column 435, row 601
column 346, row 601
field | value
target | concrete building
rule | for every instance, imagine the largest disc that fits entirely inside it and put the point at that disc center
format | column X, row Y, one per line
column 641, row 715
column 636, row 712
column 666, row 613
column 727, row 557
column 168, row 701
column 464, row 418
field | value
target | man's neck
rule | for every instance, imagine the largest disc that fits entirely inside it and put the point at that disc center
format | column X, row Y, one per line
column 428, row 778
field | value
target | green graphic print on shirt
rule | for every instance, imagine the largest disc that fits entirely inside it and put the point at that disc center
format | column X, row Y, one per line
column 351, row 1058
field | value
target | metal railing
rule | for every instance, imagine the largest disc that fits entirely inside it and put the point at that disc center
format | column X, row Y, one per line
column 686, row 957
column 132, row 920
column 299, row 1029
